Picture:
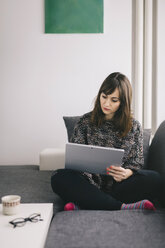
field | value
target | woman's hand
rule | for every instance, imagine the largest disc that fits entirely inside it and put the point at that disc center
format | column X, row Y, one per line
column 119, row 173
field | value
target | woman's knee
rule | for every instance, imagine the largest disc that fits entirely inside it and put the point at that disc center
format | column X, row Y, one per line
column 56, row 178
column 149, row 173
column 61, row 173
column 60, row 177
column 151, row 177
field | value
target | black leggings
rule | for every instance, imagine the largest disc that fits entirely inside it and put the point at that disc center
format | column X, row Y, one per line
column 71, row 186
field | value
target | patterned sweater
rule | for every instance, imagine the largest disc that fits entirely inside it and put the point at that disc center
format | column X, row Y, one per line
column 108, row 136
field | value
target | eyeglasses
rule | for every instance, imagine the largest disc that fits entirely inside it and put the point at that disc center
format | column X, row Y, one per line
column 18, row 222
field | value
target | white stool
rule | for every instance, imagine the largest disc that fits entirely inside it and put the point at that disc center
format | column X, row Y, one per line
column 52, row 159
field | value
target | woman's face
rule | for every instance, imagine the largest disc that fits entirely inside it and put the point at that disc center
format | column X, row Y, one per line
column 110, row 103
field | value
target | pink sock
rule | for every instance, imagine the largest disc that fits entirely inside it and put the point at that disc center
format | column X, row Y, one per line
column 70, row 206
column 144, row 204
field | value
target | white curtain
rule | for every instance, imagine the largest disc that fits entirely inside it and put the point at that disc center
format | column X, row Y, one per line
column 144, row 61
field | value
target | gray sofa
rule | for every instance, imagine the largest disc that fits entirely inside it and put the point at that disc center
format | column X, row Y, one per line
column 91, row 229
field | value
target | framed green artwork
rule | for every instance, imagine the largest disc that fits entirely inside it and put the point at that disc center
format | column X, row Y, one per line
column 73, row 16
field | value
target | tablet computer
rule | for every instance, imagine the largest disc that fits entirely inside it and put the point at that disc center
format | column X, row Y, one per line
column 91, row 159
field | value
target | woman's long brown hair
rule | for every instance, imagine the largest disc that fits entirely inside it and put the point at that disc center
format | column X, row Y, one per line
column 123, row 117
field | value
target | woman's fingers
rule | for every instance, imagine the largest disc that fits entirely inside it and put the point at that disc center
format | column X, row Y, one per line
column 116, row 168
column 121, row 177
column 118, row 173
column 117, row 179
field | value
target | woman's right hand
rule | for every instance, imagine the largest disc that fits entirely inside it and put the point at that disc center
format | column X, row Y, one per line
column 119, row 173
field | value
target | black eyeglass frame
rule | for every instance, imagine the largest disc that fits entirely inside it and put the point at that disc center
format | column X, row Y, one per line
column 19, row 222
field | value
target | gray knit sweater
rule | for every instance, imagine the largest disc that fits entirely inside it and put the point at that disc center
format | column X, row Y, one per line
column 108, row 136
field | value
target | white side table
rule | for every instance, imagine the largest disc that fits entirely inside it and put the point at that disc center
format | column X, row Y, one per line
column 29, row 235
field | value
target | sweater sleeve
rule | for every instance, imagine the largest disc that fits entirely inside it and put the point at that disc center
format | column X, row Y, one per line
column 135, row 159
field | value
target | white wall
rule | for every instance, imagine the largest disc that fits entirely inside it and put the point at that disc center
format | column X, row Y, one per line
column 46, row 76
column 161, row 63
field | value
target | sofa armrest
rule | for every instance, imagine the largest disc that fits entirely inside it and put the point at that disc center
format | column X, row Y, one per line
column 52, row 159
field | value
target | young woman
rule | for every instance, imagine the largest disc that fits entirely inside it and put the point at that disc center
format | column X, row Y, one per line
column 110, row 124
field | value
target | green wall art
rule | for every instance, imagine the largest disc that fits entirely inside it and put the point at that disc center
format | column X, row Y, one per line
column 73, row 16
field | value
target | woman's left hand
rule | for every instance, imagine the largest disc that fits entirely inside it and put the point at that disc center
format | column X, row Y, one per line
column 119, row 173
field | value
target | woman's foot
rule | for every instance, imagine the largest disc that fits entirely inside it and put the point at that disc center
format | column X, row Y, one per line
column 144, row 204
column 70, row 206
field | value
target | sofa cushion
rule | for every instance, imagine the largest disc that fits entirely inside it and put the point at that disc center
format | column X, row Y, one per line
column 31, row 184
column 156, row 155
column 70, row 122
column 94, row 229
column 146, row 142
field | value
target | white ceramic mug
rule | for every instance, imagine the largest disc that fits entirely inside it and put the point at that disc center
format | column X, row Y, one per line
column 10, row 204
